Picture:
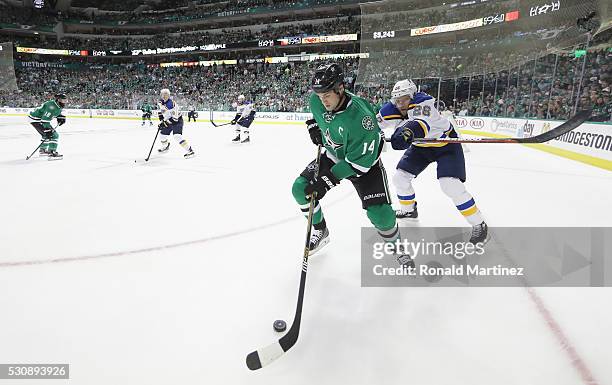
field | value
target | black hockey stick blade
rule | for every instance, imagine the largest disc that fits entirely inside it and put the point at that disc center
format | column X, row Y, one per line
column 564, row 128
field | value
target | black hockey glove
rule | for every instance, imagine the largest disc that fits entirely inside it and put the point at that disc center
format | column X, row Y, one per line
column 236, row 119
column 61, row 120
column 160, row 116
column 163, row 125
column 315, row 132
column 321, row 185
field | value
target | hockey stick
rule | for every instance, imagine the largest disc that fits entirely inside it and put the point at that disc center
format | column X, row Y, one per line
column 152, row 145
column 215, row 124
column 564, row 128
column 36, row 149
column 264, row 356
column 39, row 144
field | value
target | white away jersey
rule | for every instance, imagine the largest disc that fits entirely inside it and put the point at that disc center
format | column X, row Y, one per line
column 422, row 110
column 169, row 109
column 245, row 109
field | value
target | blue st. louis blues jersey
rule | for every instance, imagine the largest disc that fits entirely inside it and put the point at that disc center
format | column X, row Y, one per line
column 423, row 119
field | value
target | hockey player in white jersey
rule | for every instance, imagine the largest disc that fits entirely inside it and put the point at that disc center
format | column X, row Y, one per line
column 413, row 114
column 171, row 123
column 245, row 114
column 448, row 114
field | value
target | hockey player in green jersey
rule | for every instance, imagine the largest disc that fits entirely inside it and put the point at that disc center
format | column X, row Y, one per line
column 147, row 110
column 346, row 126
column 41, row 118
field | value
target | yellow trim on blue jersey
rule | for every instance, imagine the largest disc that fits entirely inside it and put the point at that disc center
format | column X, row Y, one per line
column 421, row 122
column 407, row 202
column 426, row 131
column 392, row 116
column 423, row 126
column 430, row 144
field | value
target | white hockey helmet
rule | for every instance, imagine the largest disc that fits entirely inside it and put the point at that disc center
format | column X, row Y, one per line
column 403, row 88
column 240, row 98
column 163, row 92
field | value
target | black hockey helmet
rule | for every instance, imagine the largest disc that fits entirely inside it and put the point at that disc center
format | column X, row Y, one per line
column 60, row 98
column 327, row 77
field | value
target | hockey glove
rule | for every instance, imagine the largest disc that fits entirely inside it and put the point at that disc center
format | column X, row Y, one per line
column 236, row 119
column 321, row 185
column 407, row 135
column 160, row 116
column 315, row 132
column 61, row 120
column 163, row 125
column 402, row 137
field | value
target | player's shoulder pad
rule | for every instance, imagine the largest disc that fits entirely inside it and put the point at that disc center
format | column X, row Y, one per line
column 362, row 111
column 419, row 98
column 52, row 105
column 390, row 112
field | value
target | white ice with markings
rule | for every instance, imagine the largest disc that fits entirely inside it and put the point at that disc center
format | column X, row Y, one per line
column 171, row 271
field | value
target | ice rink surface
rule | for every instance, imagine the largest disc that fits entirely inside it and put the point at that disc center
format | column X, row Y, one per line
column 171, row 271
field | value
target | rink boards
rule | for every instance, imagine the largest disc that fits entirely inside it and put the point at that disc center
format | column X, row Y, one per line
column 591, row 143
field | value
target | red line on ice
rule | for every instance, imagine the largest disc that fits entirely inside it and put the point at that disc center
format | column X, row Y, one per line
column 577, row 361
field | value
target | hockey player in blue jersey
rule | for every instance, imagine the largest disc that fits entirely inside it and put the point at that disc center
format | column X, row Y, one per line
column 412, row 115
column 171, row 123
column 245, row 114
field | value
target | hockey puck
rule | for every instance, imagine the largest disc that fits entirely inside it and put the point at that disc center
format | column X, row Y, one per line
column 279, row 325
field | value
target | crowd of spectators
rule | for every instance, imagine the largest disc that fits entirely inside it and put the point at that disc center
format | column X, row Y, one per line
column 149, row 12
column 130, row 5
column 391, row 15
column 27, row 16
column 226, row 36
column 548, row 88
column 284, row 87
column 225, row 8
column 274, row 87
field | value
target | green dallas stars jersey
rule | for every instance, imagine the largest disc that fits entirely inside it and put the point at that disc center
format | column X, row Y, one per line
column 146, row 108
column 45, row 113
column 352, row 138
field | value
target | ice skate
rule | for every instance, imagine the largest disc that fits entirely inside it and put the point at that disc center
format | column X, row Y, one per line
column 318, row 239
column 408, row 214
column 480, row 233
